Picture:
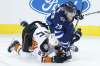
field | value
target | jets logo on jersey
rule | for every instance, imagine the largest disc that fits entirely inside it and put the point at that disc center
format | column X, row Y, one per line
column 47, row 6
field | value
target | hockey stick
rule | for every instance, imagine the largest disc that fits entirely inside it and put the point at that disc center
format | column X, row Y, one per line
column 96, row 12
column 78, row 18
column 76, row 23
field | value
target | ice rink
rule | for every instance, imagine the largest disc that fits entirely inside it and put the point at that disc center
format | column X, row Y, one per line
column 88, row 55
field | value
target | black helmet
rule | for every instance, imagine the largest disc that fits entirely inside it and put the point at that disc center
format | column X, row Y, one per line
column 69, row 3
column 24, row 23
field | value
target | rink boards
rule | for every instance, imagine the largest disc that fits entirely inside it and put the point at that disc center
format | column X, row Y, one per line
column 16, row 29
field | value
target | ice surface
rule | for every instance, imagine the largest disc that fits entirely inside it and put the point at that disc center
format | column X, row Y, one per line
column 88, row 55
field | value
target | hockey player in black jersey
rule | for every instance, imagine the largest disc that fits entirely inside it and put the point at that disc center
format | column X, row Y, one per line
column 28, row 40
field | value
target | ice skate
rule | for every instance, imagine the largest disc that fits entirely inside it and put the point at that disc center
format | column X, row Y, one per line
column 13, row 45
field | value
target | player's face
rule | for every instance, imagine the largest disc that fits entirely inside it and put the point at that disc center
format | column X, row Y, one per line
column 70, row 15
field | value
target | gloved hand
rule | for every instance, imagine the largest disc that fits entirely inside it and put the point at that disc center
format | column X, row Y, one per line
column 76, row 36
column 79, row 15
column 57, row 47
column 78, row 31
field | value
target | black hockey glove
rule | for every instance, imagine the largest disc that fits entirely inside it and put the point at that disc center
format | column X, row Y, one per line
column 78, row 31
column 79, row 15
column 77, row 35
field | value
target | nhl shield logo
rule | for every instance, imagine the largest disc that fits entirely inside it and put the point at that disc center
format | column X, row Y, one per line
column 47, row 6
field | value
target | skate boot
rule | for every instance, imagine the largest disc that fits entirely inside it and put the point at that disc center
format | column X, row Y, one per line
column 74, row 48
column 14, row 46
column 62, row 58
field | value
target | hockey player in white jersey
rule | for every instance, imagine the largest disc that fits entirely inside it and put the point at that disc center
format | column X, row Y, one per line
column 35, row 38
column 32, row 36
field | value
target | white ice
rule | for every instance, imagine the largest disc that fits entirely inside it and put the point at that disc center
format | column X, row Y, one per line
column 88, row 55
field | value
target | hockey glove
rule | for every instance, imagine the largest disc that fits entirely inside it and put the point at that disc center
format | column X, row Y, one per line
column 79, row 15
